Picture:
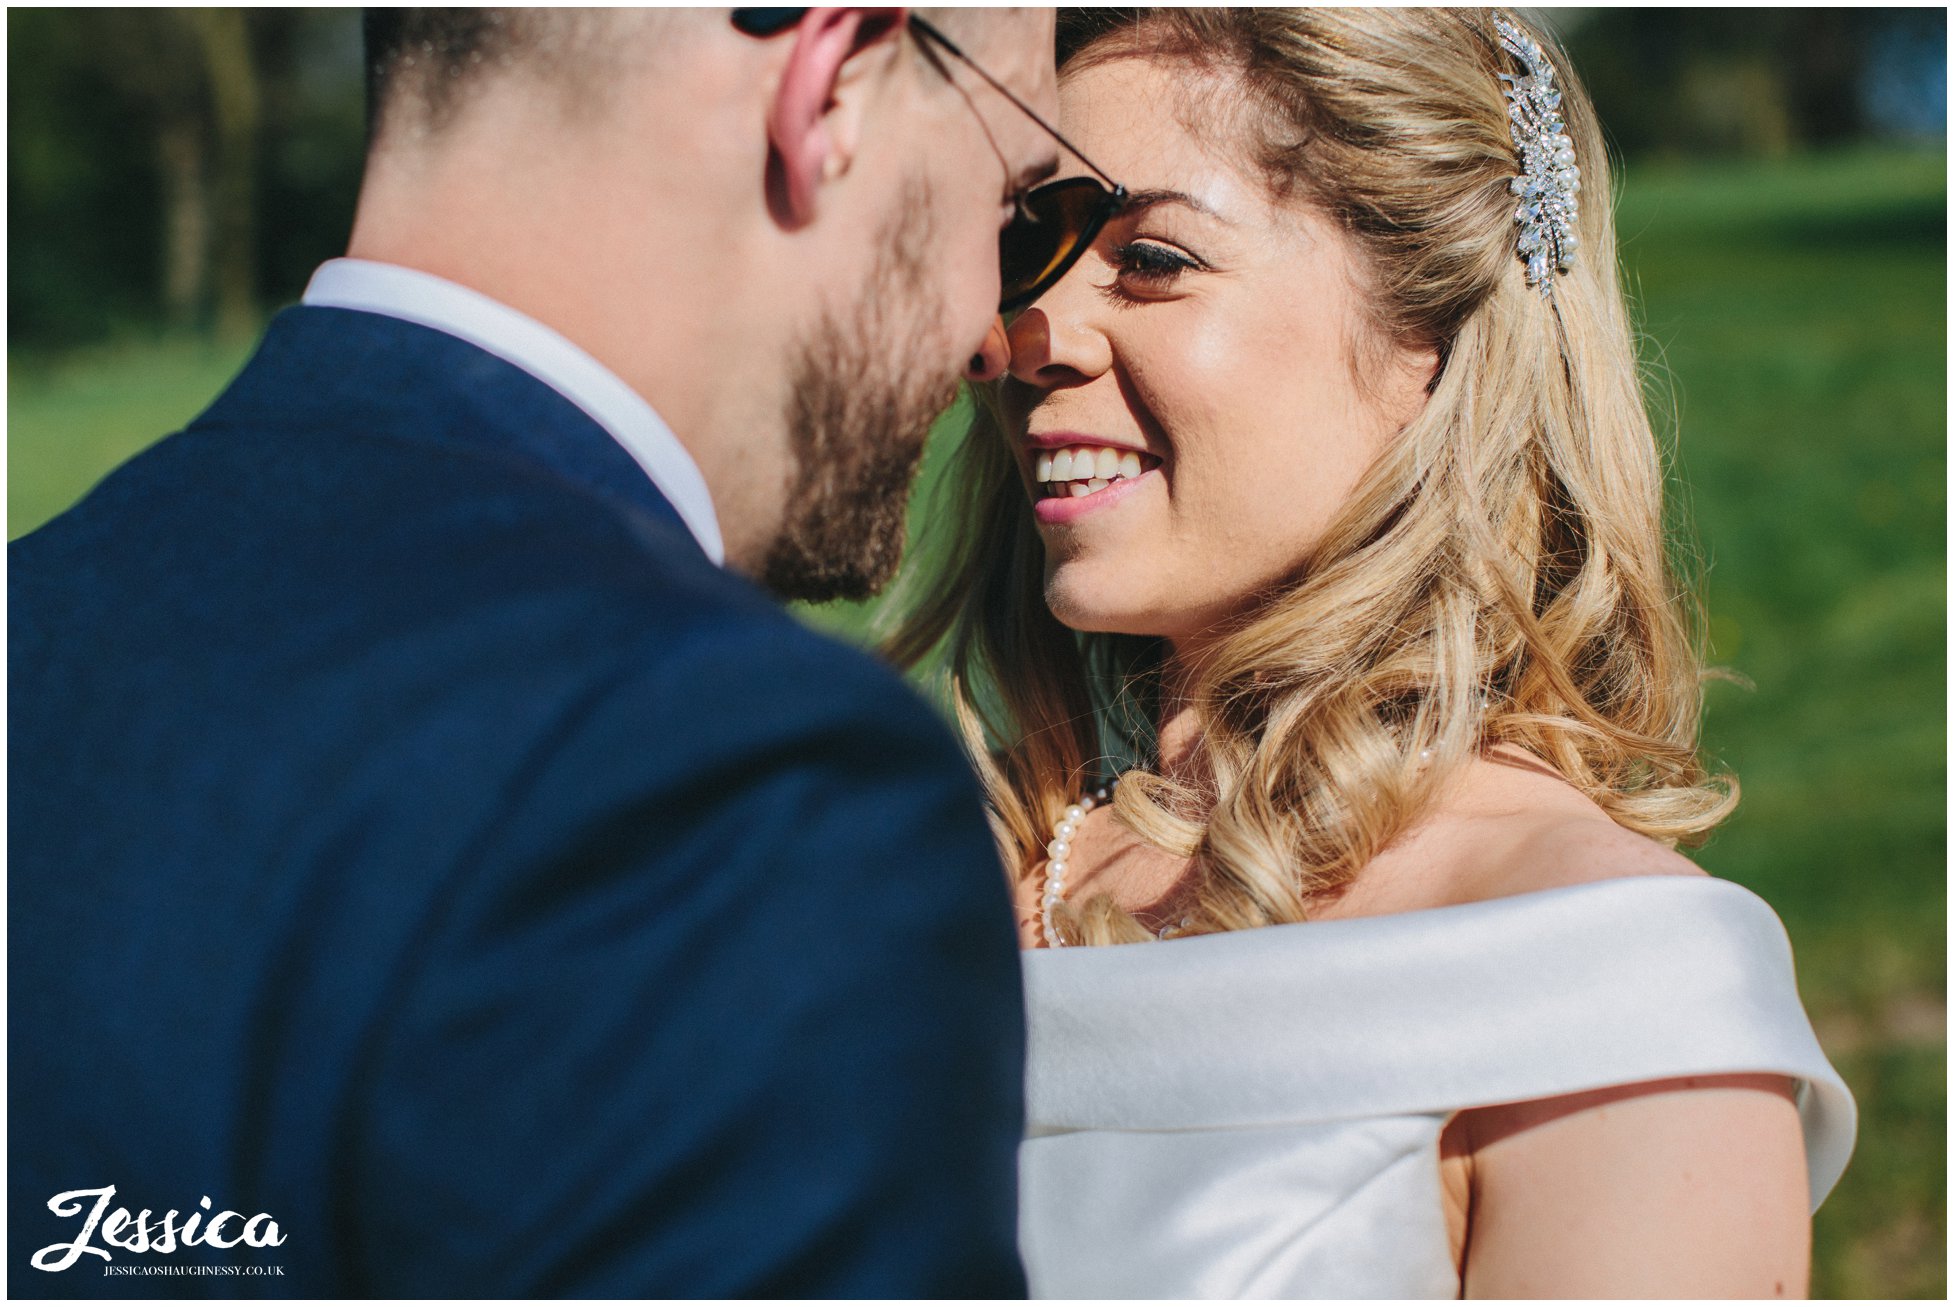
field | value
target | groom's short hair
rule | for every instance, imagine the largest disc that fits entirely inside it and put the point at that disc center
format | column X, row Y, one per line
column 428, row 61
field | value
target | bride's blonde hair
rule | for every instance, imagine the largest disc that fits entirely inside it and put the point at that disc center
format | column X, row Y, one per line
column 1499, row 576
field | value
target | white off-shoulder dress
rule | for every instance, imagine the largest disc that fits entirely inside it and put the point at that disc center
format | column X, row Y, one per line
column 1257, row 1114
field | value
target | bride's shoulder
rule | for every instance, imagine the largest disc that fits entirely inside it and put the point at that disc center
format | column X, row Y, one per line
column 1507, row 825
column 1552, row 850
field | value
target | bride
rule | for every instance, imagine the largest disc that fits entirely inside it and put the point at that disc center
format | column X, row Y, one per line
column 1321, row 494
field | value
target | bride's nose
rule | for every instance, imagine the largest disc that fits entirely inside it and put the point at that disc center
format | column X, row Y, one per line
column 1049, row 349
column 989, row 362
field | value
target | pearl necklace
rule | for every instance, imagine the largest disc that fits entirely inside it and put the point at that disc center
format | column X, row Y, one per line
column 1055, row 865
column 1061, row 847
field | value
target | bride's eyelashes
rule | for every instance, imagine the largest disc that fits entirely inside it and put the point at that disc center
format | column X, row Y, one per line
column 1146, row 268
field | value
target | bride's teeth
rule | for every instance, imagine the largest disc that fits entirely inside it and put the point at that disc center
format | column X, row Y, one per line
column 1081, row 470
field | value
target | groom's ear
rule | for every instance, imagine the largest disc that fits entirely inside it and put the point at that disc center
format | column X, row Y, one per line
column 814, row 123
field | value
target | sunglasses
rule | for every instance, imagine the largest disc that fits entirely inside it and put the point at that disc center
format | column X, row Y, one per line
column 1051, row 225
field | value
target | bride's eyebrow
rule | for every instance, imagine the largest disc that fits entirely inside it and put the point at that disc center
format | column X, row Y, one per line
column 1139, row 201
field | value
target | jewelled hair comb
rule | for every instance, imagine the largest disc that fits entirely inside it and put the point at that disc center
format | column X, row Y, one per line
column 1550, row 180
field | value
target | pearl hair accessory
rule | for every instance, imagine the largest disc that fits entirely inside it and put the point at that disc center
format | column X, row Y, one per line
column 1550, row 180
column 1055, row 866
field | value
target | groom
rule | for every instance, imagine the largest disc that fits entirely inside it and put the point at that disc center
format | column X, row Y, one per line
column 437, row 868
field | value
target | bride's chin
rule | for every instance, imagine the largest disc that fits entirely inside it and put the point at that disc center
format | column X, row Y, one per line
column 1094, row 624
column 1093, row 611
column 1090, row 613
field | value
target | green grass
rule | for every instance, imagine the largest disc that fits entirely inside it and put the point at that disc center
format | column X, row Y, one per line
column 70, row 421
column 1801, row 314
column 1798, row 311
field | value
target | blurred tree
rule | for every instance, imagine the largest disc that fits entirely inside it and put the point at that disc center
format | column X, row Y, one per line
column 193, row 166
column 158, row 59
column 174, row 164
column 1736, row 81
column 231, row 73
column 1904, row 94
column 80, row 166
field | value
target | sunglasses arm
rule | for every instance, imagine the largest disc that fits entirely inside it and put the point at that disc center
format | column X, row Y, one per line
column 929, row 30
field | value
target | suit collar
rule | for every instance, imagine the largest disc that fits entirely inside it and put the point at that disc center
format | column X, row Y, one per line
column 332, row 366
column 415, row 296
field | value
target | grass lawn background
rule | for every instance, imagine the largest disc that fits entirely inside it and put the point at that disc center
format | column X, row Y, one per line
column 1795, row 314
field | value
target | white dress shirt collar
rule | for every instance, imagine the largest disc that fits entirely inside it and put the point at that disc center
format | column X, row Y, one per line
column 516, row 338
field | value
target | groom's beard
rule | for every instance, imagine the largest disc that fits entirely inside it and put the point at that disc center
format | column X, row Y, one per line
column 858, row 413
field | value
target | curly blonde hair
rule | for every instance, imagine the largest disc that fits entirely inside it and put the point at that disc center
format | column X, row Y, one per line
column 1500, row 576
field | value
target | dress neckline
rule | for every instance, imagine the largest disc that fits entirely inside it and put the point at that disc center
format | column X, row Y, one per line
column 1436, row 916
column 1503, row 1000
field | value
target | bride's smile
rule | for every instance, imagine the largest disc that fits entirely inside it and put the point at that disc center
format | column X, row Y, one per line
column 1217, row 334
column 1074, row 474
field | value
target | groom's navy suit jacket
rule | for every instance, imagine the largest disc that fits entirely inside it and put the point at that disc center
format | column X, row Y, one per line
column 416, row 839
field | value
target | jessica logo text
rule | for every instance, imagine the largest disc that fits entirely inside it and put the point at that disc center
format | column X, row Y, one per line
column 136, row 1234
